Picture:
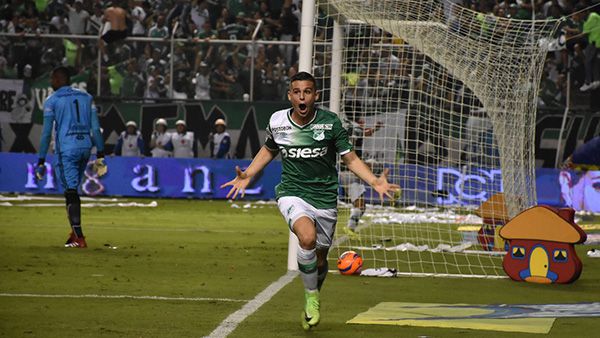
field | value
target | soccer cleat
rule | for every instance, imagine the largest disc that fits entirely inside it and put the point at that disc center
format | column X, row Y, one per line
column 586, row 87
column 311, row 315
column 351, row 233
column 76, row 242
column 71, row 238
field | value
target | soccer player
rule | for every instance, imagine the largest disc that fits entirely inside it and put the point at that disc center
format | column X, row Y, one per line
column 77, row 130
column 353, row 187
column 308, row 140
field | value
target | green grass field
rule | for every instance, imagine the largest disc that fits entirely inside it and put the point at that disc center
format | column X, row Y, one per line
column 211, row 259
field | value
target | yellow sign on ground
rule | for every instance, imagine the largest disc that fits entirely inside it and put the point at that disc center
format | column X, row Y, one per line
column 458, row 316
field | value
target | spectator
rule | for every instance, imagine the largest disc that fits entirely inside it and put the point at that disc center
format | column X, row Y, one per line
column 130, row 143
column 220, row 141
column 223, row 20
column 115, row 27
column 199, row 15
column 95, row 21
column 184, row 144
column 155, row 84
column 115, row 78
column 160, row 142
column 138, row 16
column 221, row 81
column 237, row 29
column 78, row 18
column 246, row 7
column 269, row 83
column 159, row 30
column 156, row 60
column 202, row 82
column 289, row 30
column 133, row 83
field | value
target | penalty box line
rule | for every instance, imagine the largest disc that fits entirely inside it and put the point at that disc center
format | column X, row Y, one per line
column 233, row 320
column 65, row 296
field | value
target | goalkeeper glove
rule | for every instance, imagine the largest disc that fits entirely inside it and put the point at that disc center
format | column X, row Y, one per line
column 100, row 167
column 40, row 170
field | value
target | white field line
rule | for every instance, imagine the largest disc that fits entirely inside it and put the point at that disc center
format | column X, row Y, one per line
column 189, row 299
column 233, row 320
column 165, row 229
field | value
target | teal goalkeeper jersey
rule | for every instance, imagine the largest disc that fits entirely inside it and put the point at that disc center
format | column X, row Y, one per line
column 74, row 118
column 309, row 155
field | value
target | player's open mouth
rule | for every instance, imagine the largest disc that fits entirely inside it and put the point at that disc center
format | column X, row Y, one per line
column 302, row 107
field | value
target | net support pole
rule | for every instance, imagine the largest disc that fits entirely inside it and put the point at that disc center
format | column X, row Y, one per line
column 559, row 146
column 305, row 65
column 306, row 36
column 335, row 93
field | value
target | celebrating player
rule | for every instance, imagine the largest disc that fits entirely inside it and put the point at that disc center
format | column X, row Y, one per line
column 77, row 130
column 309, row 140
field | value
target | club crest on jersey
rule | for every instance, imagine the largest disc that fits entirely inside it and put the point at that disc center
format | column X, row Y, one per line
column 318, row 134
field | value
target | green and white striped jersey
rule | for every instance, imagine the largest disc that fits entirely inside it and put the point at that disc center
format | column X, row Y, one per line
column 309, row 155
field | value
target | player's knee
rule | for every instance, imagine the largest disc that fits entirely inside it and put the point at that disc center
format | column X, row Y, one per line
column 306, row 241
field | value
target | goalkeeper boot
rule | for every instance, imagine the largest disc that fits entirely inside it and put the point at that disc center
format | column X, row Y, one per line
column 77, row 242
column 311, row 315
column 71, row 238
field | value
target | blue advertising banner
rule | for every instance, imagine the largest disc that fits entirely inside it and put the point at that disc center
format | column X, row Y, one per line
column 202, row 178
column 140, row 177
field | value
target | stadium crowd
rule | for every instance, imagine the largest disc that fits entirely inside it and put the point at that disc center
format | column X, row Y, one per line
column 202, row 70
column 205, row 70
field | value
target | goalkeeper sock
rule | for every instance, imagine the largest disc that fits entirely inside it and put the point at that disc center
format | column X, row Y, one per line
column 322, row 273
column 355, row 214
column 307, row 264
column 74, row 211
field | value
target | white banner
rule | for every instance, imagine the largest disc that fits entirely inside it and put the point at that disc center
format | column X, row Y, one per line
column 15, row 106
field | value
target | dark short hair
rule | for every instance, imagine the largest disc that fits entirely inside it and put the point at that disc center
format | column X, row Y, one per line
column 64, row 72
column 303, row 76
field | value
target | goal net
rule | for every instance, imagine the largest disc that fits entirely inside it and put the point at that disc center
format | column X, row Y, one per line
column 445, row 98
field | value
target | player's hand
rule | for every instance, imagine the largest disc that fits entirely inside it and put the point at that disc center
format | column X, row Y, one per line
column 384, row 188
column 238, row 184
column 100, row 167
column 40, row 170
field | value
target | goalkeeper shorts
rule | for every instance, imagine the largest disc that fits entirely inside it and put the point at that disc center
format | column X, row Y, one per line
column 71, row 167
column 292, row 208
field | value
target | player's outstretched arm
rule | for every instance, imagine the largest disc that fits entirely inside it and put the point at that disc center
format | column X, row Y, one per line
column 242, row 178
column 360, row 169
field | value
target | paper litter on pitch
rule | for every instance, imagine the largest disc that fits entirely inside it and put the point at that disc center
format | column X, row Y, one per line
column 418, row 248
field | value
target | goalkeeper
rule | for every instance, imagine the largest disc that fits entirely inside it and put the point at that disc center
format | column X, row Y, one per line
column 77, row 130
column 308, row 140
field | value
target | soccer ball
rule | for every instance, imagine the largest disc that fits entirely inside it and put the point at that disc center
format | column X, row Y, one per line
column 349, row 263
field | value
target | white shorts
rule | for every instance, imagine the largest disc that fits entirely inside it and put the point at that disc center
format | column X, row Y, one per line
column 292, row 208
column 353, row 186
